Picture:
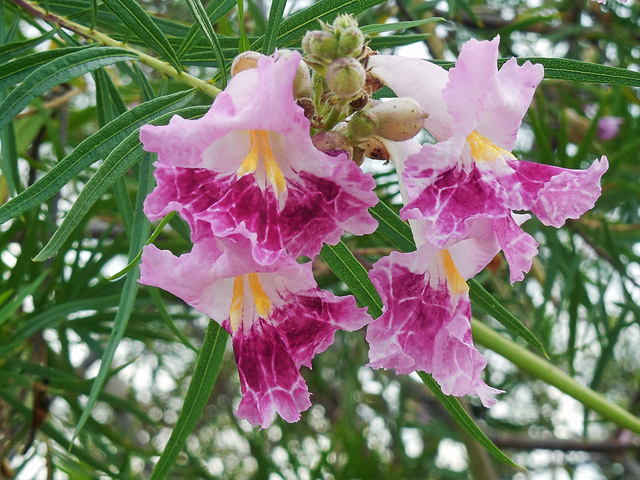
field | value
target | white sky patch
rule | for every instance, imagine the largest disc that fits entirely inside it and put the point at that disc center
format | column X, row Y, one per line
column 452, row 455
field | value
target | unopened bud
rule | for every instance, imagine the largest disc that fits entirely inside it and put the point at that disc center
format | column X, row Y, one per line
column 343, row 22
column 351, row 42
column 333, row 144
column 345, row 77
column 398, row 119
column 361, row 126
column 320, row 46
column 358, row 155
column 245, row 61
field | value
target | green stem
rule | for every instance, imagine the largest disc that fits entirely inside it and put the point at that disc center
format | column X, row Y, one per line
column 159, row 65
column 540, row 368
column 335, row 116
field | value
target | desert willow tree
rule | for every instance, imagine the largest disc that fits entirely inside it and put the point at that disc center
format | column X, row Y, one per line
column 250, row 151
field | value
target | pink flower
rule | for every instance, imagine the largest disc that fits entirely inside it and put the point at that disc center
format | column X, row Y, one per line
column 276, row 314
column 609, row 127
column 249, row 167
column 426, row 323
column 470, row 176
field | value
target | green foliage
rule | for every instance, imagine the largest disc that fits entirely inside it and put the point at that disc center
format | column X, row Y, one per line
column 74, row 180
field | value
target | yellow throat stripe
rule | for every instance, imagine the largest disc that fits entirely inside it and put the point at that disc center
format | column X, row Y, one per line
column 259, row 141
column 261, row 300
column 483, row 150
column 456, row 282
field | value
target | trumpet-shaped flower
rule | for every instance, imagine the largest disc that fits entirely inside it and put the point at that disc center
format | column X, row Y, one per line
column 249, row 167
column 426, row 321
column 277, row 316
column 470, row 175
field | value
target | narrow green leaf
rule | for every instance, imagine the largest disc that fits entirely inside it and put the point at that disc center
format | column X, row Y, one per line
column 11, row 50
column 58, row 437
column 94, row 148
column 17, row 70
column 389, row 27
column 138, row 20
column 244, row 40
column 391, row 226
column 294, row 27
column 50, row 318
column 10, row 308
column 390, row 41
column 141, row 226
column 166, row 317
column 119, row 161
column 9, row 148
column 348, row 269
column 200, row 387
column 202, row 19
column 460, row 415
column 215, row 11
column 153, row 236
column 147, row 91
column 271, row 33
column 483, row 299
column 56, row 72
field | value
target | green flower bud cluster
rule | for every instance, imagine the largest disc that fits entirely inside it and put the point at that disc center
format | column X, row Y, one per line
column 333, row 52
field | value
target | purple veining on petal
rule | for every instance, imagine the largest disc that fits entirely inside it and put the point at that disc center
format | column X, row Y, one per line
column 553, row 194
column 424, row 326
column 246, row 205
column 320, row 208
column 518, row 246
column 454, row 198
column 187, row 191
column 301, row 319
column 307, row 322
column 269, row 379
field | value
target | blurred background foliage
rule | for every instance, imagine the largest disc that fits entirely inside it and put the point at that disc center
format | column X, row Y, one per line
column 56, row 316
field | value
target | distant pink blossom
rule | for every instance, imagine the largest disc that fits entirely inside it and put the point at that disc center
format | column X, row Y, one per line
column 470, row 176
column 249, row 168
column 276, row 314
column 609, row 127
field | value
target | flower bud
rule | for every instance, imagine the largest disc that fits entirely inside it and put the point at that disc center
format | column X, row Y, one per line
column 320, row 46
column 344, row 22
column 361, row 126
column 333, row 144
column 345, row 77
column 351, row 42
column 398, row 119
column 244, row 61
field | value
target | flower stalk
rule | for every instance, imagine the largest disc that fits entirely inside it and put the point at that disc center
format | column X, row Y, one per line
column 162, row 67
column 531, row 363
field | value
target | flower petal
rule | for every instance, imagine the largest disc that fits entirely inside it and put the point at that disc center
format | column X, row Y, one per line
column 518, row 246
column 426, row 323
column 480, row 98
column 553, row 194
column 320, row 208
column 421, row 80
column 269, row 379
column 449, row 199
